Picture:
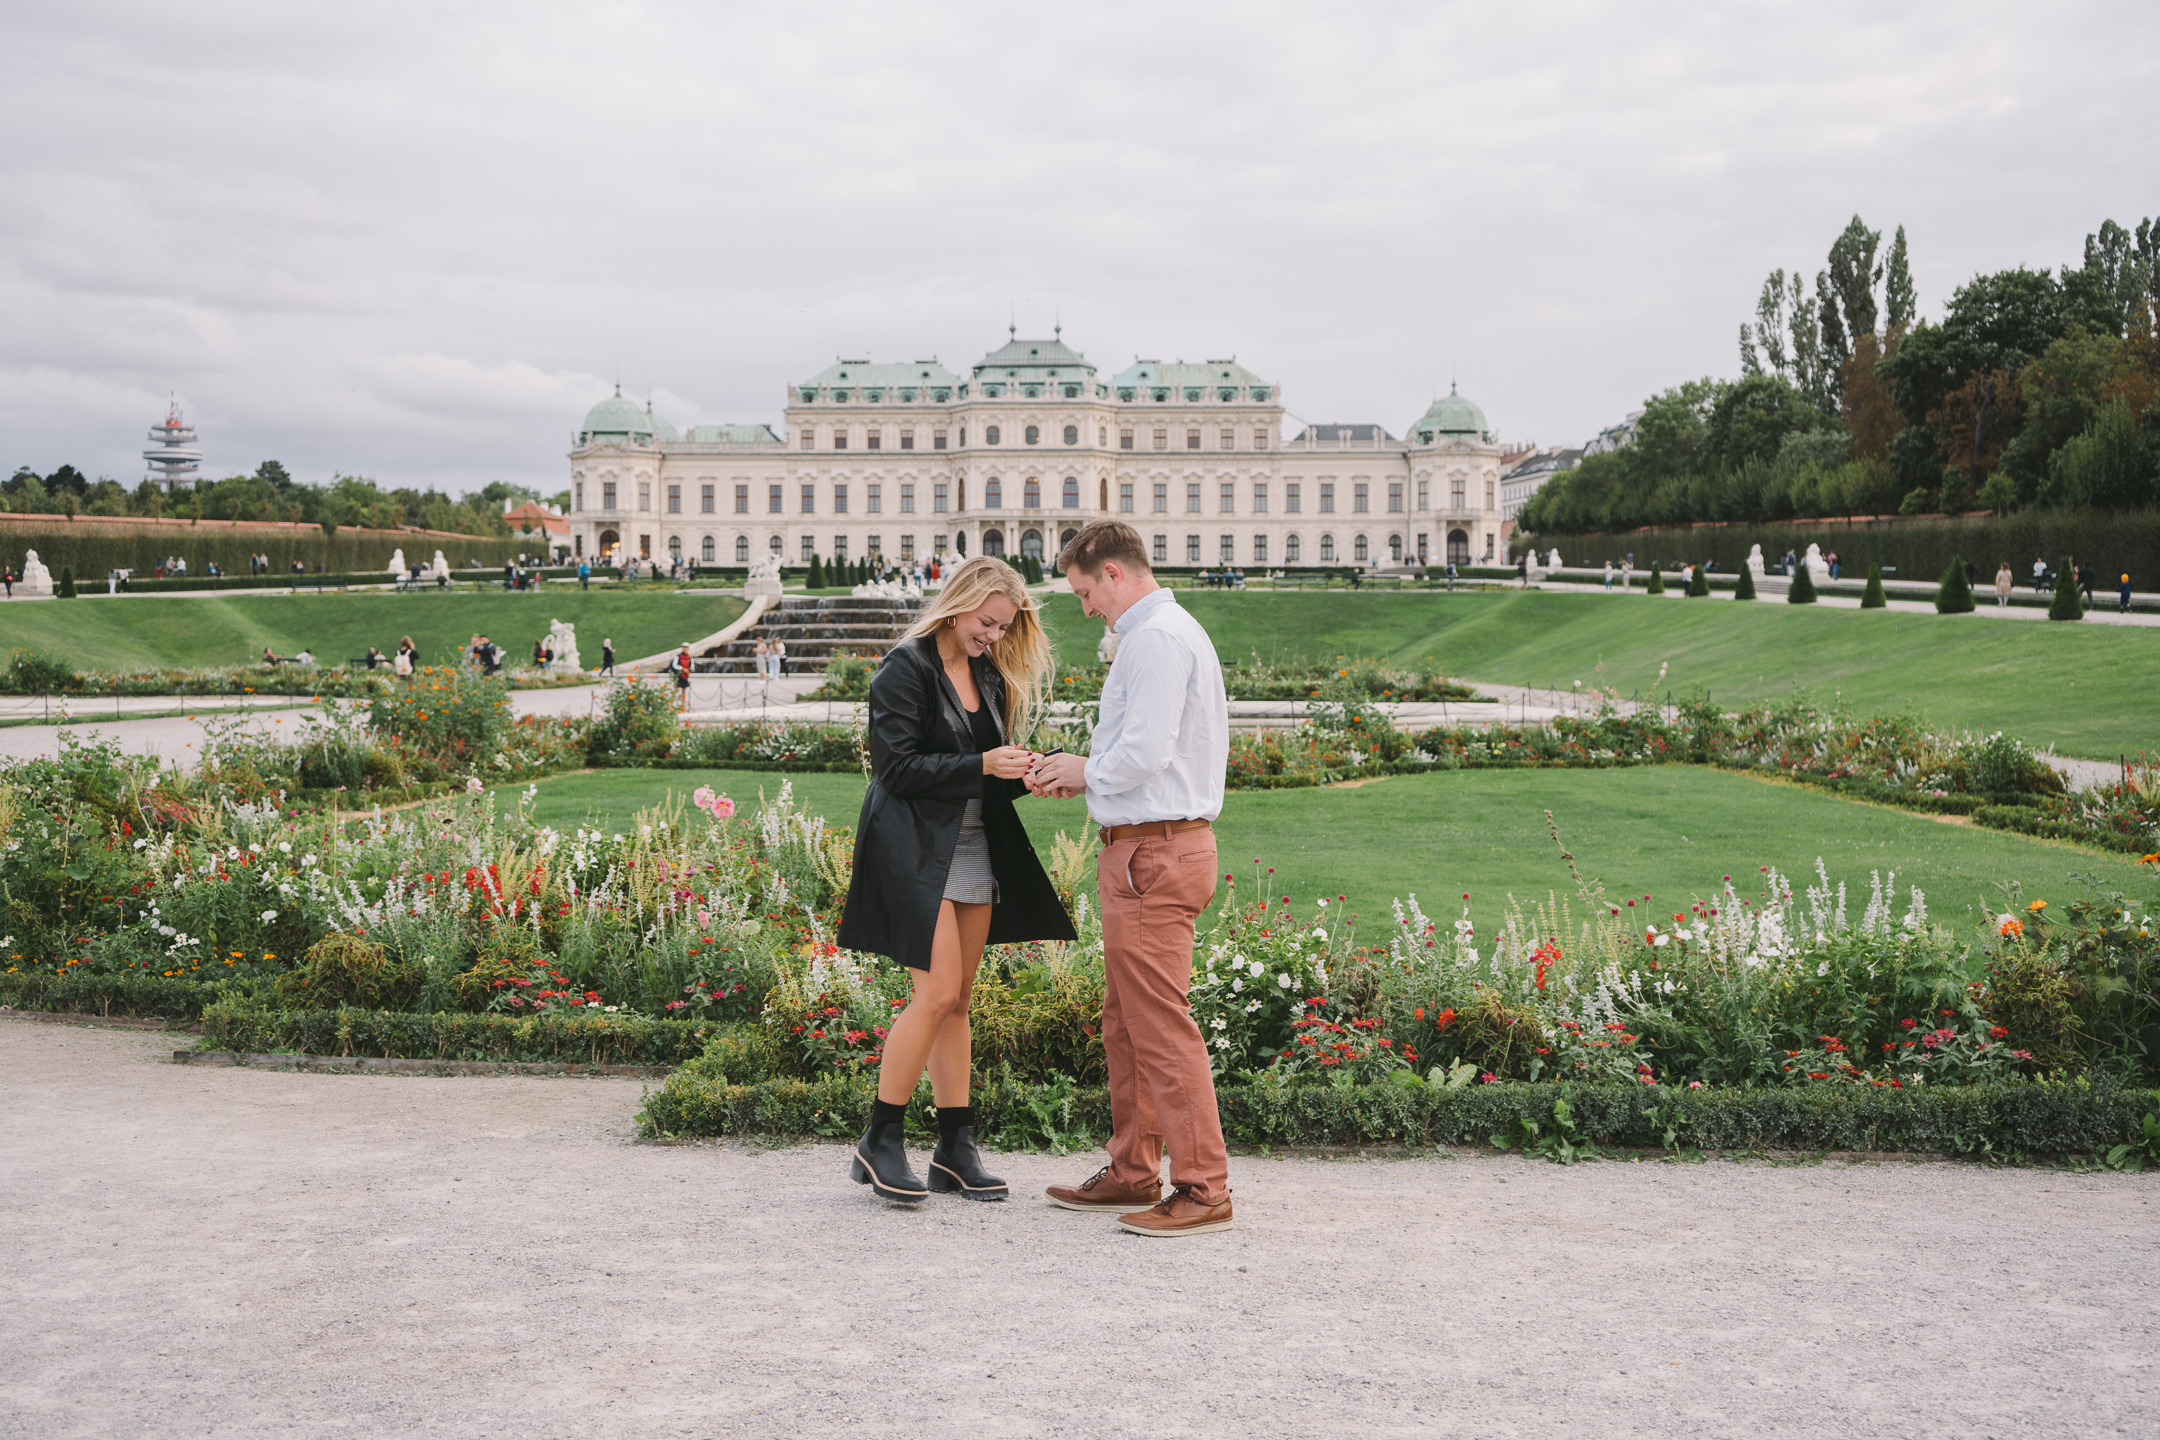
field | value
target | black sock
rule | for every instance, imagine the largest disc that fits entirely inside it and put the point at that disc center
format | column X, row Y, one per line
column 950, row 1118
column 885, row 1113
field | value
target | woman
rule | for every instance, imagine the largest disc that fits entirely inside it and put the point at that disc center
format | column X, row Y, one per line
column 942, row 865
column 757, row 658
column 2003, row 582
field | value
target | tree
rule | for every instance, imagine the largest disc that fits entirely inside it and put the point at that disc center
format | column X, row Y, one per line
column 1898, row 294
column 2111, row 466
column 67, row 582
column 816, row 578
column 2068, row 604
column 1744, row 589
column 1750, row 420
column 1657, row 581
column 1788, row 332
column 275, row 475
column 1699, row 582
column 1803, row 585
column 1846, row 293
column 1954, row 595
column 1873, row 598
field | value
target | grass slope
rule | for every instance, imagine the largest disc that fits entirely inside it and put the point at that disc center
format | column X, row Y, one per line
column 187, row 631
column 1669, row 832
column 2086, row 688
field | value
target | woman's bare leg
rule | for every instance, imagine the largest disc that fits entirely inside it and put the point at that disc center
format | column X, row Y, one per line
column 934, row 1027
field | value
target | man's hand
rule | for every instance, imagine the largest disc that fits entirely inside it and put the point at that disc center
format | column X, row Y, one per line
column 1058, row 777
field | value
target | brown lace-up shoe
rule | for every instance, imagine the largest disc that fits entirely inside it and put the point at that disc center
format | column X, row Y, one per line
column 1179, row 1215
column 1095, row 1193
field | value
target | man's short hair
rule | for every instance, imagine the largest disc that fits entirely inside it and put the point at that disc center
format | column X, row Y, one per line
column 1104, row 540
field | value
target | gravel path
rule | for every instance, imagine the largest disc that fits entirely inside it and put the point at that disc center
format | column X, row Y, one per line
column 236, row 1252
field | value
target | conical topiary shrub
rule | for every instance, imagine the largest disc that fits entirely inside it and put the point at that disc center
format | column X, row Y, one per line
column 1873, row 598
column 2069, row 605
column 1745, row 588
column 1699, row 582
column 67, row 584
column 815, row 580
column 1954, row 596
column 1803, row 585
column 1657, row 581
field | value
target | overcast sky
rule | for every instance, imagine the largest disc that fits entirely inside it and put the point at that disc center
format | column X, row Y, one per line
column 417, row 241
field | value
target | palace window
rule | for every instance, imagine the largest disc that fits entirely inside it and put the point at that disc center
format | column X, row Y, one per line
column 1031, row 544
column 1259, row 549
column 742, row 549
column 1162, row 438
column 742, row 499
column 1394, row 497
column 1394, row 549
column 644, row 495
column 907, row 497
column 1259, row 497
column 1162, row 499
column 1033, row 434
column 1192, row 549
column 1161, row 550
column 994, row 543
column 578, row 496
column 1327, row 549
column 907, row 437
column 1102, row 435
column 1327, row 497
column 709, row 551
column 873, row 545
column 1192, row 498
column 809, row 438
column 990, row 435
column 937, row 544
column 809, row 499
column 873, row 499
column 1192, row 439
column 809, row 548
column 1456, row 499
column 1424, row 494
column 839, row 437
column 876, row 440
column 1071, row 493
column 1072, row 392
column 1124, row 497
column 937, row 440
column 607, row 495
column 1031, row 494
column 839, row 548
column 1124, row 439
column 940, row 497
column 674, row 499
column 773, row 503
column 1072, row 434
column 1291, row 550
column 907, row 547
column 705, row 499
column 674, row 549
column 1361, row 550
column 1259, row 437
column 1229, row 439
column 1360, row 501
column 1293, row 499
column 839, row 499
column 1227, row 548
column 1488, row 494
column 772, row 543
column 1226, row 501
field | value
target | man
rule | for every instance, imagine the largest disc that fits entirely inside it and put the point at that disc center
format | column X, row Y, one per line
column 1154, row 783
column 607, row 658
column 584, row 575
column 2123, row 592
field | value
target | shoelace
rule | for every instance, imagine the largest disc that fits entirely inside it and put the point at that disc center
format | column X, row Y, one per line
column 1094, row 1179
column 1177, row 1193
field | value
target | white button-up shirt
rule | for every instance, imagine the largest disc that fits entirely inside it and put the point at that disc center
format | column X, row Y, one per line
column 1162, row 734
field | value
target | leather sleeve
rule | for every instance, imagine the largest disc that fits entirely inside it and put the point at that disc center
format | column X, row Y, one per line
column 904, row 705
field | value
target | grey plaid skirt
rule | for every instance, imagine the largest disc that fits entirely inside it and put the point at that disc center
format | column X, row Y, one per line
column 970, row 882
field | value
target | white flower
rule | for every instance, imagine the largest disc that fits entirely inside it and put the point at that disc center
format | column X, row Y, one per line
column 473, row 786
column 1323, row 904
column 140, row 843
column 1318, row 933
column 611, row 1009
column 1222, row 1043
column 232, row 852
column 268, row 916
column 1259, row 970
column 1283, row 980
column 284, row 847
column 1219, row 1023
column 1822, row 969
column 1255, row 1005
column 1659, row 942
column 1237, row 986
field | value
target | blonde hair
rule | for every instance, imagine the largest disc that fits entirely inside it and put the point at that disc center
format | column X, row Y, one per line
column 1022, row 656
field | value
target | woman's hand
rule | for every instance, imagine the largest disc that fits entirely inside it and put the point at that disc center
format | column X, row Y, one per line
column 1008, row 762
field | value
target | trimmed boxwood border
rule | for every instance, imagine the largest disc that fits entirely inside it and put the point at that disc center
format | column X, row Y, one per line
column 1997, row 1120
column 126, row 996
column 584, row 1038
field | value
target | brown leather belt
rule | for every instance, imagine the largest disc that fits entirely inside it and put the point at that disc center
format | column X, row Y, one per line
column 1111, row 834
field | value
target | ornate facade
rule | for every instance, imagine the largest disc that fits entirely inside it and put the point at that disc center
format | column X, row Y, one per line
column 912, row 460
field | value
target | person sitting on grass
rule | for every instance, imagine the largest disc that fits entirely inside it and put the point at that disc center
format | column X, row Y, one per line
column 304, row 657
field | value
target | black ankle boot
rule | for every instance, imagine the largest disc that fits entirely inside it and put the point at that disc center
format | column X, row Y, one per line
column 956, row 1165
column 881, row 1157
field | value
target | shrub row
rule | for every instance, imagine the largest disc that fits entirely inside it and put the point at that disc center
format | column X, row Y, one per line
column 1998, row 1120
column 122, row 996
column 597, row 1039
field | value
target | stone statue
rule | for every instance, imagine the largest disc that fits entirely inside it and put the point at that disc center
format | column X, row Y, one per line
column 1818, row 568
column 764, row 577
column 1755, row 562
column 441, row 568
column 397, row 562
column 562, row 639
column 1552, row 561
column 36, row 580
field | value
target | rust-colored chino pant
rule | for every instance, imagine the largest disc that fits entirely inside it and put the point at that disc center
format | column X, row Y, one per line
column 1161, row 1092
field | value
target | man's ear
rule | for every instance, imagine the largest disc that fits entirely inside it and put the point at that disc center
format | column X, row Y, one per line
column 1112, row 574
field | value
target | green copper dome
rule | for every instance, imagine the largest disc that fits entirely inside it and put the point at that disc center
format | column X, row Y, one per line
column 618, row 419
column 1451, row 416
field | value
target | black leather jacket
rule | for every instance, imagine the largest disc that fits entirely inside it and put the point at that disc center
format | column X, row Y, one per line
column 924, row 769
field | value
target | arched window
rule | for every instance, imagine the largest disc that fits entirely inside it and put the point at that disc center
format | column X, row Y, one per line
column 1031, row 544
column 1072, row 492
column 993, row 493
column 674, row 547
column 742, row 549
column 1031, row 494
column 993, row 542
column 990, row 435
column 607, row 543
column 1292, row 551
column 1072, row 434
column 963, row 499
column 1394, row 549
column 1259, row 549
column 1360, row 550
column 1327, row 549
column 709, row 551
column 960, row 543
column 1066, row 538
column 1102, row 501
column 1034, row 434
column 774, row 545
column 1458, row 547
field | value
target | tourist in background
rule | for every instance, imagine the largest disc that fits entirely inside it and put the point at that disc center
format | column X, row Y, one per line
column 2123, row 591
column 2085, row 581
column 2004, row 583
column 761, row 659
column 607, row 658
column 779, row 657
column 1608, row 574
column 942, row 865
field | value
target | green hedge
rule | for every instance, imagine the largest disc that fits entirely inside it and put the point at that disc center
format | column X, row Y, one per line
column 2024, row 1118
column 136, row 996
column 92, row 546
column 568, row 1038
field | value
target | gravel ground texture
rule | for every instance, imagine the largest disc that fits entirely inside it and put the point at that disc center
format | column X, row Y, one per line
column 235, row 1252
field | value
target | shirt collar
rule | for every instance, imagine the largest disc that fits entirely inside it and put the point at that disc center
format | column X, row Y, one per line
column 1142, row 608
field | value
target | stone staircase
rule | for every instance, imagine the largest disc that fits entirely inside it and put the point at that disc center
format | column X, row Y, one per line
column 814, row 628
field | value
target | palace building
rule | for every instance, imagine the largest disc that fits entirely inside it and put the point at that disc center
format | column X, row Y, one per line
column 910, row 461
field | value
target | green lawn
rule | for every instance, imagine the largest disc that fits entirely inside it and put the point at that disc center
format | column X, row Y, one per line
column 1669, row 832
column 2087, row 689
column 187, row 631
